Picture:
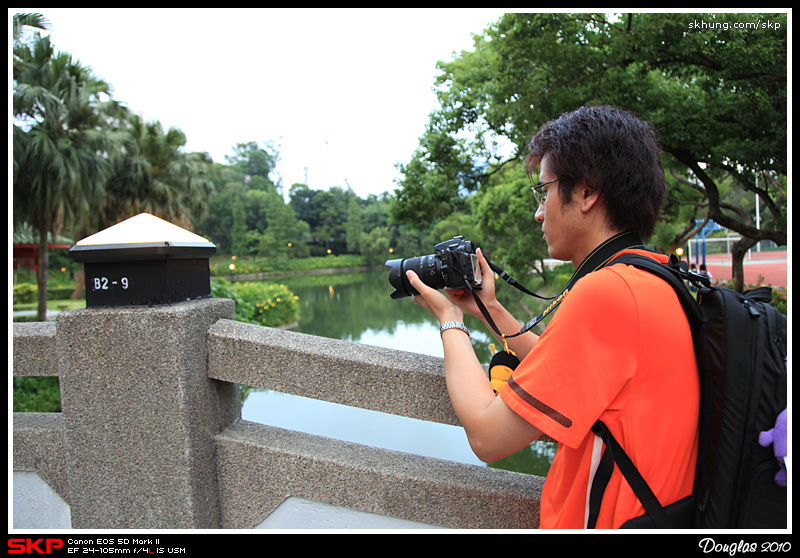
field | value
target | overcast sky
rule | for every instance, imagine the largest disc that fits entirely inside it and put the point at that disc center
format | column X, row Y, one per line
column 344, row 93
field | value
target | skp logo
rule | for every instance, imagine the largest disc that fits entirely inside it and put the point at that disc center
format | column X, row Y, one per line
column 31, row 546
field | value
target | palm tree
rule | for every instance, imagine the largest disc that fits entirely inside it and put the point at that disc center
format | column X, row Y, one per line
column 61, row 136
column 22, row 21
column 150, row 172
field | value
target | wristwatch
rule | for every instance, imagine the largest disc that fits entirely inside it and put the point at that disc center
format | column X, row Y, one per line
column 453, row 325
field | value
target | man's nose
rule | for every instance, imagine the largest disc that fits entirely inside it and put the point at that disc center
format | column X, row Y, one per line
column 539, row 213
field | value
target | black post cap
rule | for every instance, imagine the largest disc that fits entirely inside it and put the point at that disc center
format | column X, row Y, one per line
column 144, row 260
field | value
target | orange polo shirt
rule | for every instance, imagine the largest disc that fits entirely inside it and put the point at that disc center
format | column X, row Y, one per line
column 618, row 349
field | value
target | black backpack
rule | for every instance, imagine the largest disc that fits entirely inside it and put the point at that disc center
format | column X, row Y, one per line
column 741, row 343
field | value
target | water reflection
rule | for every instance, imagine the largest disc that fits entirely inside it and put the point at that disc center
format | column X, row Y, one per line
column 357, row 307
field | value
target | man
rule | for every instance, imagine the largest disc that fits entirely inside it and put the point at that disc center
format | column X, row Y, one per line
column 619, row 347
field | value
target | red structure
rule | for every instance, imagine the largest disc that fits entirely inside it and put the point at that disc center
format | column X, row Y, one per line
column 27, row 255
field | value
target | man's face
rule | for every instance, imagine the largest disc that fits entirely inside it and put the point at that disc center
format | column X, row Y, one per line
column 561, row 223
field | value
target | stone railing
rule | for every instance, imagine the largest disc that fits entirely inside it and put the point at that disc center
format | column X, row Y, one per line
column 151, row 436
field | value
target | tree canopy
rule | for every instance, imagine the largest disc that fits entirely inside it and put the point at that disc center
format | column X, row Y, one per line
column 713, row 85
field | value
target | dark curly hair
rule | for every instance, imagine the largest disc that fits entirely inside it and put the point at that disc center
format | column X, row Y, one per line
column 613, row 151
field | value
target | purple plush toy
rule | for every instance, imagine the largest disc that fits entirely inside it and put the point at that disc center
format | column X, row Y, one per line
column 777, row 437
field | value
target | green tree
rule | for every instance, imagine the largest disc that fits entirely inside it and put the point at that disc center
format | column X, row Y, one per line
column 325, row 211
column 375, row 211
column 354, row 230
column 715, row 92
column 27, row 22
column 438, row 180
column 61, row 134
column 283, row 232
column 375, row 246
column 251, row 160
column 248, row 215
column 505, row 215
column 239, row 233
column 218, row 224
column 151, row 172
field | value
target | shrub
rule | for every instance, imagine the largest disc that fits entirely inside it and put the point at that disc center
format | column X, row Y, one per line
column 261, row 303
column 25, row 293
column 36, row 395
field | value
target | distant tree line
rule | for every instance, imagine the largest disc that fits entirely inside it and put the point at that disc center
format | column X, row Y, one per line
column 83, row 161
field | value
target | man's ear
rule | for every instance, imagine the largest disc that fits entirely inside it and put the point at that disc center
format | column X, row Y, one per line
column 588, row 195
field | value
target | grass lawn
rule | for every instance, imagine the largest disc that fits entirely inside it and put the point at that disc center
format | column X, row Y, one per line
column 52, row 305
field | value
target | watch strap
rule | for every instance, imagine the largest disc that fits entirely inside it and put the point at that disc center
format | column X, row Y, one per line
column 453, row 325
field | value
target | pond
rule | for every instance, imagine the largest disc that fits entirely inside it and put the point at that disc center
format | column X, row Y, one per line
column 356, row 307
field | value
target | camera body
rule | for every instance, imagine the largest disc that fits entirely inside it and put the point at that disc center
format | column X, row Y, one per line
column 454, row 265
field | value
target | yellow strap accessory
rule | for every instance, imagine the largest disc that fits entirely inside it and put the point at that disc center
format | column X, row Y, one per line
column 502, row 366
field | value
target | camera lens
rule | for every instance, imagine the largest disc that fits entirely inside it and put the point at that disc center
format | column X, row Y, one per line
column 427, row 268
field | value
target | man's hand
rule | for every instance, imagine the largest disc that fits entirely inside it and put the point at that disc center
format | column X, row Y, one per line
column 464, row 298
column 440, row 306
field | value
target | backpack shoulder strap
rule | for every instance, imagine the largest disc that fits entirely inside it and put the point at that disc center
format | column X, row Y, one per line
column 612, row 454
column 675, row 275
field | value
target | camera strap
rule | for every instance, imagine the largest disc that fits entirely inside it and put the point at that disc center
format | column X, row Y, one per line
column 599, row 257
column 514, row 283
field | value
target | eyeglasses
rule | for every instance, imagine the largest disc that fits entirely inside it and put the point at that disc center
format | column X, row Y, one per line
column 540, row 198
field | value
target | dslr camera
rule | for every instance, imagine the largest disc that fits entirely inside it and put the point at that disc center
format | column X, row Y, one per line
column 454, row 265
